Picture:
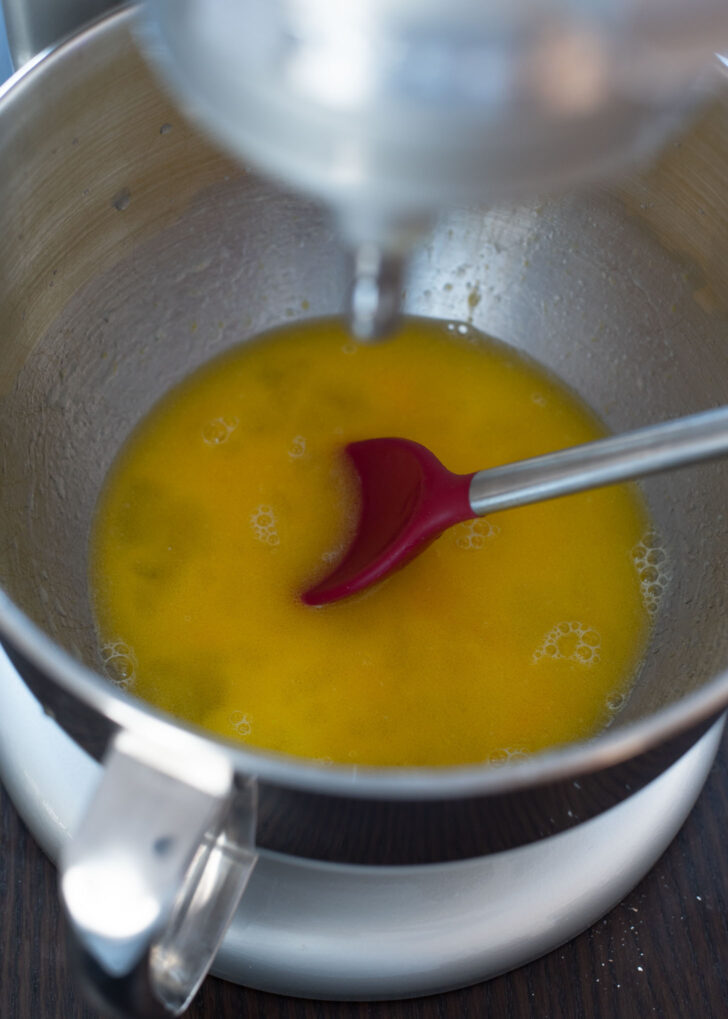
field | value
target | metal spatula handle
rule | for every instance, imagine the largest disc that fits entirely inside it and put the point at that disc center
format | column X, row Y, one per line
column 687, row 440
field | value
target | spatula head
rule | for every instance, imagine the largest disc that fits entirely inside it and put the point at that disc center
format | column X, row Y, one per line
column 407, row 498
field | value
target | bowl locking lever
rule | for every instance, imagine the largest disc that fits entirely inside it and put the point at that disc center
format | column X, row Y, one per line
column 155, row 872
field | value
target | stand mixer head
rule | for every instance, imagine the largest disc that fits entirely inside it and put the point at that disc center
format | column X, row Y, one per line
column 388, row 111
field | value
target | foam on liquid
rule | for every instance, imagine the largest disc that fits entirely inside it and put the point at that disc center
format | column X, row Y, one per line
column 509, row 634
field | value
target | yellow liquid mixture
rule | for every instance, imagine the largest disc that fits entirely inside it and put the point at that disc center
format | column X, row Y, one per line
column 511, row 633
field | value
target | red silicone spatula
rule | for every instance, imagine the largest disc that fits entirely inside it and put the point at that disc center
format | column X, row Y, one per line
column 408, row 498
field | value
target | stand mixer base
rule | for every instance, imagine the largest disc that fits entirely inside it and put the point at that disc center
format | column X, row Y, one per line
column 319, row 930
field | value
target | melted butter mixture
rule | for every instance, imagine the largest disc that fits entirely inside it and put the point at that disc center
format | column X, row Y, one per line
column 511, row 633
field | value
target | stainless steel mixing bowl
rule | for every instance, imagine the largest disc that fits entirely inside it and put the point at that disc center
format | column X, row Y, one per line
column 132, row 252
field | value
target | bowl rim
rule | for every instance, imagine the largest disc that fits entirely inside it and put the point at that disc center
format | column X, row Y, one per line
column 126, row 711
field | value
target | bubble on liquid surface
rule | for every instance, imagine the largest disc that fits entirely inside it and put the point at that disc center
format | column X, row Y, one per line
column 263, row 522
column 615, row 702
column 219, row 430
column 473, row 534
column 572, row 642
column 298, row 447
column 241, row 723
column 653, row 570
column 500, row 757
column 120, row 663
column 333, row 555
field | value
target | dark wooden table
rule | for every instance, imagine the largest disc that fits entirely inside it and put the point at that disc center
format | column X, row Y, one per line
column 663, row 951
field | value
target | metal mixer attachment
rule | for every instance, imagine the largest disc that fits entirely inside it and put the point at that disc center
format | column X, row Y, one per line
column 388, row 111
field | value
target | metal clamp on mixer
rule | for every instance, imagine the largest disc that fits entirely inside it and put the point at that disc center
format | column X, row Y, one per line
column 155, row 872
